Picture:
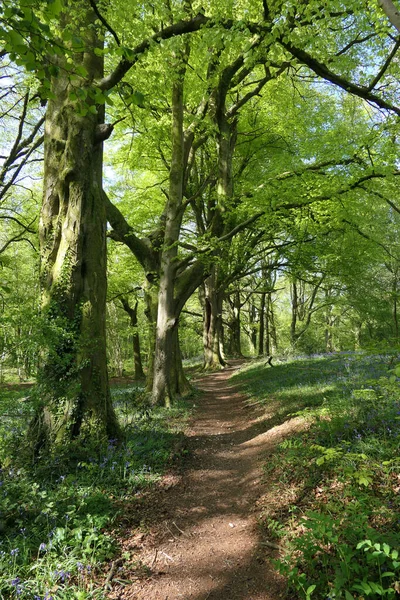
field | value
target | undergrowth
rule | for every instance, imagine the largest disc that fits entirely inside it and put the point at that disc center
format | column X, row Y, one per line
column 59, row 519
column 337, row 483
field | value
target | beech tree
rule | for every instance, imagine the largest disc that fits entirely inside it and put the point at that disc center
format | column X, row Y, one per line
column 186, row 272
column 74, row 393
column 67, row 45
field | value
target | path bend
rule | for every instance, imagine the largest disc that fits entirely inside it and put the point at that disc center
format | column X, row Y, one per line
column 207, row 545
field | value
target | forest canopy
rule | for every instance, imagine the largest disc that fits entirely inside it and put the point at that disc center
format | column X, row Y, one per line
column 236, row 162
column 186, row 187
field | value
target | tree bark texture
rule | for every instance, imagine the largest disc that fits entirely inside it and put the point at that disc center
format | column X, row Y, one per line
column 392, row 12
column 167, row 320
column 73, row 380
column 235, row 347
column 261, row 328
column 294, row 307
column 214, row 285
column 212, row 323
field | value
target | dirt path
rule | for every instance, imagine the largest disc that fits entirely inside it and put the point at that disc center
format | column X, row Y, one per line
column 207, row 545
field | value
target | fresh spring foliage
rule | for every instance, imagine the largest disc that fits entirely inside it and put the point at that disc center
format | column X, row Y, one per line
column 59, row 520
column 336, row 482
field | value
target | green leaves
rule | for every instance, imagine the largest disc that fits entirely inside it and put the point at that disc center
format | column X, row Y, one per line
column 136, row 98
column 54, row 7
column 329, row 454
column 26, row 37
column 309, row 591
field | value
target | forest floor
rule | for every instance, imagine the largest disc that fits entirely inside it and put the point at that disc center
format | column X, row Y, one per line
column 203, row 541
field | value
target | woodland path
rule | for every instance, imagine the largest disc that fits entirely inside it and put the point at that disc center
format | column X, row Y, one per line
column 206, row 544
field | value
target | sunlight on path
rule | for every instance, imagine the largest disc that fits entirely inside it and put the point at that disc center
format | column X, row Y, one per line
column 208, row 547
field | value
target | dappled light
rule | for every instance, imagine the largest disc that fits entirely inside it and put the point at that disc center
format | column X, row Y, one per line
column 209, row 541
column 199, row 300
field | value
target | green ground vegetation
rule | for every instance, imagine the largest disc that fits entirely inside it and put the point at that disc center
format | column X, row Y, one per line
column 336, row 482
column 60, row 519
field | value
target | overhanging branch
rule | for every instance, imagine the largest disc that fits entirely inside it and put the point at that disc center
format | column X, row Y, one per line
column 323, row 71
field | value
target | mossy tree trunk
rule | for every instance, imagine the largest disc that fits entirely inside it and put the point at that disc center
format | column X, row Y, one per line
column 167, row 319
column 263, row 326
column 180, row 280
column 235, row 346
column 150, row 312
column 73, row 381
column 253, row 326
column 212, row 324
column 180, row 384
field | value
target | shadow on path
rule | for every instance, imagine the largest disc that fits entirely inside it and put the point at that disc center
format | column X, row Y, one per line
column 208, row 545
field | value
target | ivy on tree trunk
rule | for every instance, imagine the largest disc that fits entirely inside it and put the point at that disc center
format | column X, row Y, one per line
column 73, row 382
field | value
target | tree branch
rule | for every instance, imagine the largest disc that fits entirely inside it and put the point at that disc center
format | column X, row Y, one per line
column 357, row 40
column 391, row 12
column 369, row 238
column 179, row 28
column 240, row 227
column 105, row 23
column 123, row 232
column 385, row 67
column 323, row 71
column 26, row 228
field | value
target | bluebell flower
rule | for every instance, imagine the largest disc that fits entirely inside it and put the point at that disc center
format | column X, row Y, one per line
column 61, row 575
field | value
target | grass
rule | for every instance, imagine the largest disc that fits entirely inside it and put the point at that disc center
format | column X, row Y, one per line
column 59, row 521
column 335, row 501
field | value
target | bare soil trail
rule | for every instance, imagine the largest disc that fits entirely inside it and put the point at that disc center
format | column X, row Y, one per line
column 207, row 544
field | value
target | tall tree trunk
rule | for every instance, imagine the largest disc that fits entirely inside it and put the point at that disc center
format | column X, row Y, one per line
column 293, row 323
column 137, row 357
column 179, row 382
column 357, row 334
column 269, row 323
column 271, row 341
column 395, row 302
column 163, row 392
column 212, row 324
column 261, row 329
column 329, row 324
column 328, row 332
column 213, row 286
column 235, row 327
column 151, row 303
column 253, row 325
column 73, row 381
